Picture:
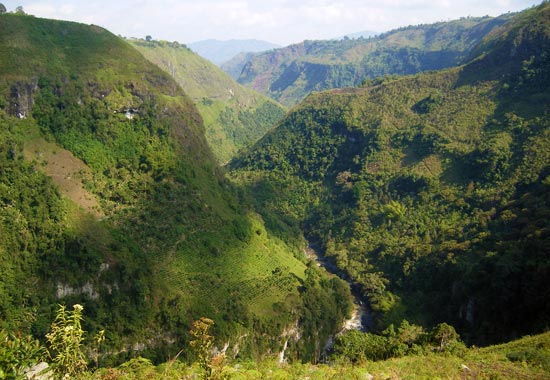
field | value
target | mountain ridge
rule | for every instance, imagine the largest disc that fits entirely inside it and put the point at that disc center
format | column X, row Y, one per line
column 169, row 239
column 289, row 74
column 422, row 188
column 234, row 116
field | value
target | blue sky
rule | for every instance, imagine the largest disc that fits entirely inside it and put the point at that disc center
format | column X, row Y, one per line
column 277, row 21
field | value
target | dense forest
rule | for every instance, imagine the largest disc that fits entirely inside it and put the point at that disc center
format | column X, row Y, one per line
column 429, row 191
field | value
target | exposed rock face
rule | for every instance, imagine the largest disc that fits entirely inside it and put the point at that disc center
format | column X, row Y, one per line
column 21, row 98
column 64, row 290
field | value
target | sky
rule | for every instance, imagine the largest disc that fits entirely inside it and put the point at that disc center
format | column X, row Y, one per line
column 278, row 21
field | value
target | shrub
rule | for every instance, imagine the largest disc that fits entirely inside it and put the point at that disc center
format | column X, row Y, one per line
column 65, row 341
column 17, row 355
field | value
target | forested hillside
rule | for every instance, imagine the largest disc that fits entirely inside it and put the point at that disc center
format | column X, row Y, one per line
column 111, row 198
column 291, row 73
column 431, row 191
column 234, row 116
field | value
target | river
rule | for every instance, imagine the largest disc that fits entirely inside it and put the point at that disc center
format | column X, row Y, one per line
column 360, row 318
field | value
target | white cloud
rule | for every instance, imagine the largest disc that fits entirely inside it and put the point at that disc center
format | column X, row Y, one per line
column 44, row 10
column 67, row 9
column 282, row 21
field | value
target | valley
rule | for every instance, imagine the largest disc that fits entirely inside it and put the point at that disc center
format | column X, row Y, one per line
column 234, row 116
column 167, row 222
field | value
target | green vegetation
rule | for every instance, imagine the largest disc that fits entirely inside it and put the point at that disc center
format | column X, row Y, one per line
column 17, row 354
column 430, row 192
column 289, row 74
column 110, row 198
column 234, row 116
column 358, row 347
column 414, row 355
column 65, row 340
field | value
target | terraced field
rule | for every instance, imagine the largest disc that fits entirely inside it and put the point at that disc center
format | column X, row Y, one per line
column 257, row 274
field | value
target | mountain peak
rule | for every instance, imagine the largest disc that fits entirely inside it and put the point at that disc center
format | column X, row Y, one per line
column 219, row 52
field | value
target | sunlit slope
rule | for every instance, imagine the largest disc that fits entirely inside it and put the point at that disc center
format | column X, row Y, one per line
column 234, row 116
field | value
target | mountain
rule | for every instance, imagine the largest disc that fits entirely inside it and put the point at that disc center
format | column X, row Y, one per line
column 430, row 191
column 110, row 197
column 235, row 65
column 219, row 52
column 289, row 74
column 234, row 116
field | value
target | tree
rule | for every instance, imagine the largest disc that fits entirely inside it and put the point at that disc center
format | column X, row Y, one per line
column 148, row 38
column 2, row 9
column 19, row 10
column 394, row 210
column 444, row 334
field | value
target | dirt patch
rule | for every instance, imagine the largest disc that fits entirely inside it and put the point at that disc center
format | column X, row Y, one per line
column 67, row 171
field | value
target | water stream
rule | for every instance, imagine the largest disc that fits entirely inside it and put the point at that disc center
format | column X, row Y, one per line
column 360, row 318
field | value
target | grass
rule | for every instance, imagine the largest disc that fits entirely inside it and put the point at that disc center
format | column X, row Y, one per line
column 491, row 363
column 486, row 363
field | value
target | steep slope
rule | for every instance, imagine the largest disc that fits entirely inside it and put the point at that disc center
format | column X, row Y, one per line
column 235, row 65
column 234, row 116
column 291, row 73
column 110, row 197
column 221, row 51
column 429, row 191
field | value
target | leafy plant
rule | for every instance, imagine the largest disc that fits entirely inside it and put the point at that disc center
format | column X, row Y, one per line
column 65, row 341
column 202, row 344
column 17, row 355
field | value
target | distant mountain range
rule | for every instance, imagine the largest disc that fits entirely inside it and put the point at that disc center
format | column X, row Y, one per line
column 291, row 73
column 219, row 52
column 235, row 65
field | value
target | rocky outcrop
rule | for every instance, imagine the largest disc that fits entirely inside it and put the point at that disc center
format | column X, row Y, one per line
column 21, row 98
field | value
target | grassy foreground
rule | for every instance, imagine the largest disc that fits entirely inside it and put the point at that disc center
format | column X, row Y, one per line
column 526, row 358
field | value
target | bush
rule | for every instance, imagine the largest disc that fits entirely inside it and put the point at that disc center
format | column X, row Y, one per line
column 17, row 355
